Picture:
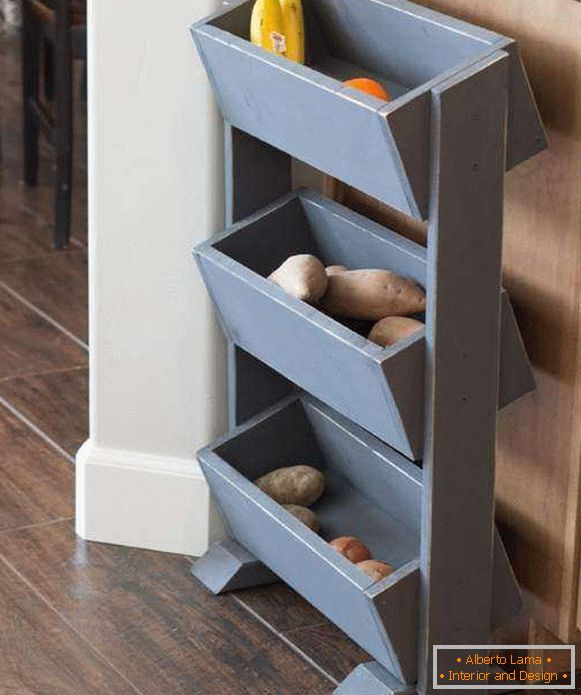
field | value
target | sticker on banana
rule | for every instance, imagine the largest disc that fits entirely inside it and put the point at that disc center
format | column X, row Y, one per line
column 278, row 27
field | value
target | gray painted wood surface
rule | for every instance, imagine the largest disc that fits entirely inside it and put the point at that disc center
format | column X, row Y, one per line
column 372, row 679
column 462, row 358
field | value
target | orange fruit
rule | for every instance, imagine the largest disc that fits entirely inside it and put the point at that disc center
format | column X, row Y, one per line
column 364, row 84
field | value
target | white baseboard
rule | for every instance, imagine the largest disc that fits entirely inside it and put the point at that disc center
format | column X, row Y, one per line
column 143, row 501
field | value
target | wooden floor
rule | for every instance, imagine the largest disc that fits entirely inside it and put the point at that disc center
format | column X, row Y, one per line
column 84, row 618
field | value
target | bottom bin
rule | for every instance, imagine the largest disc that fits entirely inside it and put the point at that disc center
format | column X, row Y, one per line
column 372, row 492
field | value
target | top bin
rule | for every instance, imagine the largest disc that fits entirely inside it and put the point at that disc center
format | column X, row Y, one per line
column 382, row 148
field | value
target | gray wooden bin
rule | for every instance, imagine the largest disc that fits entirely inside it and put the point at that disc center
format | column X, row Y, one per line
column 372, row 492
column 381, row 389
column 381, row 148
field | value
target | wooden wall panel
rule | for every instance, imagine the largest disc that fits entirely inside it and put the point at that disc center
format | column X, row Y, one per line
column 539, row 446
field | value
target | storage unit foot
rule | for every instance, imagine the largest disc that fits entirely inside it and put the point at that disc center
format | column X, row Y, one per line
column 228, row 566
column 372, row 679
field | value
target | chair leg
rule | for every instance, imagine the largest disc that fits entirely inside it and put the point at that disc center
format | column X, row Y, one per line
column 84, row 82
column 30, row 75
column 63, row 139
column 48, row 70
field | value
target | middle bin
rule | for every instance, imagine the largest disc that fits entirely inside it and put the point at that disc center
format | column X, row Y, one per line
column 381, row 389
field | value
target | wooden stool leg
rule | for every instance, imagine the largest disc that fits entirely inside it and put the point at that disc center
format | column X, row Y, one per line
column 30, row 74
column 63, row 65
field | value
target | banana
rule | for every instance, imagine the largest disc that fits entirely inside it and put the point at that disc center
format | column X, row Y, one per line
column 292, row 17
column 267, row 26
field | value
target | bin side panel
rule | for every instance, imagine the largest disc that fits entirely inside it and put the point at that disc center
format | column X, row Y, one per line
column 304, row 116
column 388, row 479
column 346, row 238
column 405, row 374
column 526, row 134
column 409, row 127
column 283, row 438
column 400, row 607
column 409, row 43
column 506, row 596
column 516, row 376
column 270, row 239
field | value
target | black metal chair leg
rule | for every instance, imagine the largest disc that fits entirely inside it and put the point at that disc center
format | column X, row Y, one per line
column 30, row 80
column 48, row 70
column 63, row 131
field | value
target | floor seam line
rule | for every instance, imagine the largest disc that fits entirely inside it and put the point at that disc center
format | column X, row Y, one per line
column 40, row 312
column 61, row 617
column 34, row 257
column 303, row 627
column 291, row 645
column 44, row 372
column 37, row 430
column 41, row 524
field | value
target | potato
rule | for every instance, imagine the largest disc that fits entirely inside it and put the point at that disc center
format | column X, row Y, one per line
column 351, row 548
column 302, row 485
column 392, row 329
column 303, row 276
column 375, row 569
column 372, row 295
column 335, row 269
column 306, row 516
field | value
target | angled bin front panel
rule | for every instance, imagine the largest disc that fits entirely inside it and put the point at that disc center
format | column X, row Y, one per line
column 380, row 389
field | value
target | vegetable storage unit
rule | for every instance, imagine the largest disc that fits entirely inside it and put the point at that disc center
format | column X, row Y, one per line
column 462, row 114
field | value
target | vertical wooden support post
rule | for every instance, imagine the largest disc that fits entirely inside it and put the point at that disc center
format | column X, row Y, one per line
column 462, row 357
column 256, row 174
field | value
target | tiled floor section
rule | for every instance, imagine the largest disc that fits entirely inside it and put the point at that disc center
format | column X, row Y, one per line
column 84, row 618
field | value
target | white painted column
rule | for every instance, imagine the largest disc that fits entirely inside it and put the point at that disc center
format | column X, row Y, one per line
column 157, row 356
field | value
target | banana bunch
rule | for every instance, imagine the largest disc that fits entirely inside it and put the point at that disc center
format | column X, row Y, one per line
column 278, row 26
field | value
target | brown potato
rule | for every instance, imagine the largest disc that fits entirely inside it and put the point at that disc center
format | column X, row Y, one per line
column 375, row 569
column 302, row 485
column 306, row 516
column 335, row 269
column 392, row 329
column 352, row 548
column 372, row 294
column 303, row 276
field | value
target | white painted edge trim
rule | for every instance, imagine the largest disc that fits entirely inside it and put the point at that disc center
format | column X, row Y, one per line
column 143, row 500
